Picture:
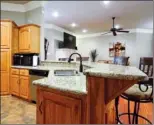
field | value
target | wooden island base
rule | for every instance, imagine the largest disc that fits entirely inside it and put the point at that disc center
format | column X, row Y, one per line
column 95, row 107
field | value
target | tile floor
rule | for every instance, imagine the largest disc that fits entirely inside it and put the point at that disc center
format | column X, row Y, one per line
column 17, row 111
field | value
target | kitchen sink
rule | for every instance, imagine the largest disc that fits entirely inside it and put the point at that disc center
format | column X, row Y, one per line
column 66, row 72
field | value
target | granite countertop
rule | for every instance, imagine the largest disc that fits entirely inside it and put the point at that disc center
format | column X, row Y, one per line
column 77, row 84
column 32, row 67
column 116, row 72
column 73, row 84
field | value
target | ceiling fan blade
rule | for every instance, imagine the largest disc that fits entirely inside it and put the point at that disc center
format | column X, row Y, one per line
column 123, row 31
column 106, row 33
column 114, row 33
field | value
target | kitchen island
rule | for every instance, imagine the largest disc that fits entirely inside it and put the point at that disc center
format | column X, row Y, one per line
column 86, row 98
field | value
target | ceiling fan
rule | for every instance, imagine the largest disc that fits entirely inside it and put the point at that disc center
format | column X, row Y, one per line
column 115, row 30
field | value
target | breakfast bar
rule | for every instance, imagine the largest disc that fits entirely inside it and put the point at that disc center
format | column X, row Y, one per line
column 84, row 98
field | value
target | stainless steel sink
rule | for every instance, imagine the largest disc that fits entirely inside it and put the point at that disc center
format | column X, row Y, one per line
column 66, row 72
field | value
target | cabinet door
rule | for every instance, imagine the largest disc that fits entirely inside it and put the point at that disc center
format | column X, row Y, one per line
column 24, row 39
column 5, row 60
column 5, row 35
column 4, row 83
column 58, row 109
column 15, row 40
column 24, row 87
column 15, row 85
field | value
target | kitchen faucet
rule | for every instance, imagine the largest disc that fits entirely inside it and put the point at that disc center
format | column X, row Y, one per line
column 69, row 60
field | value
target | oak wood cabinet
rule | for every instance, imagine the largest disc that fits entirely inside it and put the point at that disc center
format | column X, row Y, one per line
column 4, row 83
column 15, row 39
column 8, row 37
column 15, row 85
column 29, row 38
column 24, row 87
column 57, row 109
column 4, row 70
column 20, row 83
column 5, row 60
column 5, row 35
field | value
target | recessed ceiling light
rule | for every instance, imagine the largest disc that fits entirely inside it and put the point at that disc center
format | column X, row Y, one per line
column 73, row 24
column 106, row 2
column 55, row 14
column 117, row 26
column 84, row 30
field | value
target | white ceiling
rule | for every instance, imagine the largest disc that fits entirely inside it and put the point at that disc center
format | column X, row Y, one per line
column 96, row 17
column 16, row 2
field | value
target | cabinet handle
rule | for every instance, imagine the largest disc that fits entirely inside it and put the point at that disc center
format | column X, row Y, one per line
column 40, row 107
column 29, row 46
column 18, row 81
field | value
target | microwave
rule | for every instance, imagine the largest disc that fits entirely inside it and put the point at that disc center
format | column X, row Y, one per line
column 25, row 59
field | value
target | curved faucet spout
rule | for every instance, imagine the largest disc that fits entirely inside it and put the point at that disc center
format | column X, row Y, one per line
column 69, row 60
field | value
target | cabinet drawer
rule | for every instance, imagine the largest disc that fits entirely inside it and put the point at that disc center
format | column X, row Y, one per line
column 24, row 72
column 15, row 71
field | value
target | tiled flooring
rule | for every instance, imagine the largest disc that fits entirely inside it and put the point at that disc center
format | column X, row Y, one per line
column 17, row 111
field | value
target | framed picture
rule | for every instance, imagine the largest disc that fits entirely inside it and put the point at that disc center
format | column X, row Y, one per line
column 117, row 49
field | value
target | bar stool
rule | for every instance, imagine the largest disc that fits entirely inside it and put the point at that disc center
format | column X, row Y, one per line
column 138, row 93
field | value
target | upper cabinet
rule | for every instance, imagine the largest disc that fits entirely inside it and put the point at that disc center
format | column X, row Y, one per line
column 29, row 39
column 5, row 35
column 15, row 39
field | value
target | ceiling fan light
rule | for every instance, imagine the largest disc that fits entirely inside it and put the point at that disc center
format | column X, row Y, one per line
column 117, row 26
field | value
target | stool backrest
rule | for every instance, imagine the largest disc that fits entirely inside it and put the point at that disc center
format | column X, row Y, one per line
column 146, row 65
column 121, row 60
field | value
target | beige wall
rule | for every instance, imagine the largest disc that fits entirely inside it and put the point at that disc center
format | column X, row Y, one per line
column 137, row 45
column 34, row 16
column 18, row 17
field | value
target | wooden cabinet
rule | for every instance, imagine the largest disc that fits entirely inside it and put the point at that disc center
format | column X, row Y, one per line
column 4, row 83
column 15, row 39
column 15, row 71
column 25, row 39
column 5, row 60
column 29, row 39
column 4, row 70
column 24, row 87
column 24, row 72
column 5, row 35
column 20, row 83
column 7, row 38
column 15, row 85
column 57, row 109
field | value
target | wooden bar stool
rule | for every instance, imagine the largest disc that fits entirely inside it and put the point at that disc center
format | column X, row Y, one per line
column 139, row 93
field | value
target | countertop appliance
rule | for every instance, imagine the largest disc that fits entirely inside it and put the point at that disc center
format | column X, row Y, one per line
column 35, row 75
column 26, row 59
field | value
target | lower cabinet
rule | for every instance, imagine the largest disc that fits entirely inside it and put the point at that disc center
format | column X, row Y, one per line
column 19, row 84
column 57, row 109
column 15, row 85
column 24, row 87
column 4, row 83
